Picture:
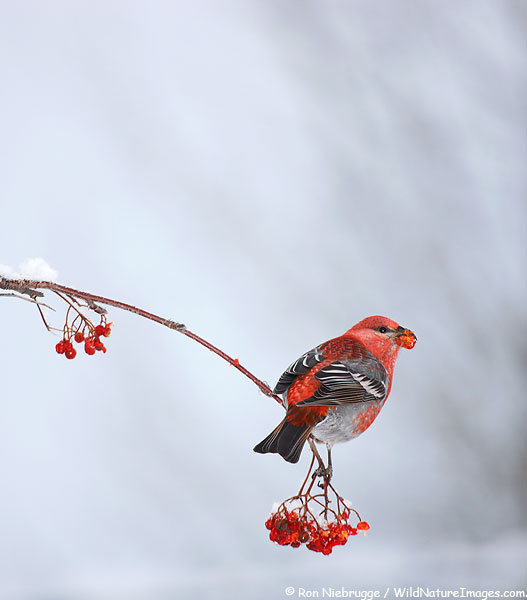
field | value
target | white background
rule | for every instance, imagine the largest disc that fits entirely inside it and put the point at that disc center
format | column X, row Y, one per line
column 268, row 173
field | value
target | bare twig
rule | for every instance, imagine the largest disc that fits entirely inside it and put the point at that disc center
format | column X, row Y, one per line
column 30, row 287
column 43, row 317
column 32, row 300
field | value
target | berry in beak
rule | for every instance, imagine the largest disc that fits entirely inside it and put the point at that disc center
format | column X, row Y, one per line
column 405, row 338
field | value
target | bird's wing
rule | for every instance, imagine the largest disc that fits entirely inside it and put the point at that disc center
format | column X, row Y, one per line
column 349, row 382
column 300, row 367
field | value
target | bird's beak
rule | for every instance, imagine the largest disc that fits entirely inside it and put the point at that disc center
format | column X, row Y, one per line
column 405, row 338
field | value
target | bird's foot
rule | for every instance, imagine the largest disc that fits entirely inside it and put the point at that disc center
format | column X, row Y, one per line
column 325, row 472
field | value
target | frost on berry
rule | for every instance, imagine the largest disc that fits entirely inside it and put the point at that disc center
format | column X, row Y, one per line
column 317, row 520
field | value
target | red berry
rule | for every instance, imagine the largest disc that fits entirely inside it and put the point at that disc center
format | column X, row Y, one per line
column 274, row 535
column 89, row 348
column 99, row 330
column 107, row 330
column 71, row 353
column 303, row 536
column 363, row 526
column 294, row 536
column 60, row 347
column 79, row 337
column 315, row 545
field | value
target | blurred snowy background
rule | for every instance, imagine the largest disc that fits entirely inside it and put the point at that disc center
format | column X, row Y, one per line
column 269, row 173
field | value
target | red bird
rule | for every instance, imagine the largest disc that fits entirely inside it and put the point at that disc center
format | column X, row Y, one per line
column 336, row 390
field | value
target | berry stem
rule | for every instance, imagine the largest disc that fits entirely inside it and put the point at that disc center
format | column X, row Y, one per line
column 307, row 476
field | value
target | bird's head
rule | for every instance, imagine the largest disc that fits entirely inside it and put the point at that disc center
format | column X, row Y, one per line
column 381, row 335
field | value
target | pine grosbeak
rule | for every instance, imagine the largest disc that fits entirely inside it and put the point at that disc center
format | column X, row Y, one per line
column 336, row 390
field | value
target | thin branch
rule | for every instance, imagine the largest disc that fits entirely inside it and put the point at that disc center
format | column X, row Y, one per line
column 43, row 317
column 32, row 300
column 30, row 287
column 321, row 465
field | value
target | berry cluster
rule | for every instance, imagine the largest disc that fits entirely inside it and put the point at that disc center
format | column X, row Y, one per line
column 287, row 528
column 90, row 335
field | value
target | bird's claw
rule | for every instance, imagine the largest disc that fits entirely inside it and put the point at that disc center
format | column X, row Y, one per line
column 325, row 472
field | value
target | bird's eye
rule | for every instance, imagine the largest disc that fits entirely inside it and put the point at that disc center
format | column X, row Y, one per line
column 383, row 329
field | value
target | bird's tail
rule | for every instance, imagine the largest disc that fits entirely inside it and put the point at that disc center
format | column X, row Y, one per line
column 287, row 440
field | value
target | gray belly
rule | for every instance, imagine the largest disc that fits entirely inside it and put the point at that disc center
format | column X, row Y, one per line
column 346, row 422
